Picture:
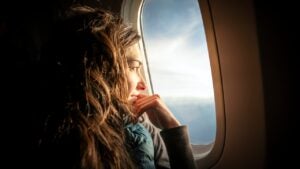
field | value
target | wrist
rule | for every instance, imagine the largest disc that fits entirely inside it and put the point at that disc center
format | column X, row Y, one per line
column 172, row 124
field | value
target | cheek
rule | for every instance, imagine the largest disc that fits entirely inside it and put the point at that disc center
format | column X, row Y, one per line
column 131, row 82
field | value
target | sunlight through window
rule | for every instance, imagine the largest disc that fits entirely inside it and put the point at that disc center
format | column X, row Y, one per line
column 179, row 65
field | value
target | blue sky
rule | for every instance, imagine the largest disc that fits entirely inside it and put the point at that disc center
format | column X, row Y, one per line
column 176, row 48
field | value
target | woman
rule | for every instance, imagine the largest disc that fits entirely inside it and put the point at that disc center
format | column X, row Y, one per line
column 95, row 97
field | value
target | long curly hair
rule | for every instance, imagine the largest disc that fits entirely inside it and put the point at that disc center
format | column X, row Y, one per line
column 89, row 90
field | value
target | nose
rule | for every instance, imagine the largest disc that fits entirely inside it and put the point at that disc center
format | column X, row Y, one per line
column 141, row 85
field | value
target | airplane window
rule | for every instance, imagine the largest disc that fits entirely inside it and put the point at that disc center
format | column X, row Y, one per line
column 179, row 66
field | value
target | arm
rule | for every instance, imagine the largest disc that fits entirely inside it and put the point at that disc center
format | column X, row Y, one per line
column 178, row 147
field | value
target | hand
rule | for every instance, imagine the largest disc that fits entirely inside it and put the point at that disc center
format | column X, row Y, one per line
column 157, row 111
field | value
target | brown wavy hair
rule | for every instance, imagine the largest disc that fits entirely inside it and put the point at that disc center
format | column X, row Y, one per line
column 90, row 91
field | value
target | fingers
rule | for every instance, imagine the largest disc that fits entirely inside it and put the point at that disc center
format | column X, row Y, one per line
column 144, row 103
column 144, row 95
column 157, row 111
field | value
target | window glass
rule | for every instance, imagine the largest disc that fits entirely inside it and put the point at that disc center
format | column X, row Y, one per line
column 178, row 64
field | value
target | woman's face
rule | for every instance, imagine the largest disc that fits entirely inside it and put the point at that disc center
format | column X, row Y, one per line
column 136, row 82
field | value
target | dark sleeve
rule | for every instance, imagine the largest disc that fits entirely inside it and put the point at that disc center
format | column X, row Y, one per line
column 160, row 151
column 179, row 148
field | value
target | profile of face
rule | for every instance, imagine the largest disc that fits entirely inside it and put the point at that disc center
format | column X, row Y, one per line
column 136, row 82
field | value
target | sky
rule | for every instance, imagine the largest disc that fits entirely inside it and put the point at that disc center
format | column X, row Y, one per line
column 176, row 48
column 178, row 60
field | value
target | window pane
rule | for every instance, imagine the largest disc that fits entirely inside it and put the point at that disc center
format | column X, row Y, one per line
column 178, row 64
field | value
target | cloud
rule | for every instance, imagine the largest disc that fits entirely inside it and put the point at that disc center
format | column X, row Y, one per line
column 176, row 49
column 174, row 62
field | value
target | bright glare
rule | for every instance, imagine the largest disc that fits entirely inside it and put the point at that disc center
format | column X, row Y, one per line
column 175, row 40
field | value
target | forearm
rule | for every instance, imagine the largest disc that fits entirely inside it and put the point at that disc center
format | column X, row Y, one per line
column 178, row 147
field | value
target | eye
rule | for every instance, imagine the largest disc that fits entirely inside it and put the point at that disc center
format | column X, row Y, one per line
column 134, row 69
column 134, row 65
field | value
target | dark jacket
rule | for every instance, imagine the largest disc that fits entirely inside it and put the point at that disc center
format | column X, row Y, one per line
column 179, row 148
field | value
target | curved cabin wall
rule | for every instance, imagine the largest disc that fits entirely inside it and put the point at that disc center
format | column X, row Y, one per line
column 237, row 45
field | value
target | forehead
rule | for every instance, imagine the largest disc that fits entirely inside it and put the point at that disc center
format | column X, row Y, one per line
column 133, row 52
